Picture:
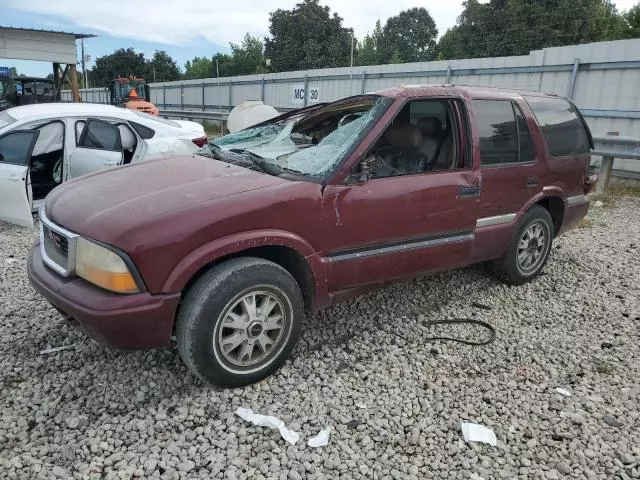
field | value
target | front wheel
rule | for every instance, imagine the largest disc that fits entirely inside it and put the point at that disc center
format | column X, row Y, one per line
column 529, row 249
column 239, row 322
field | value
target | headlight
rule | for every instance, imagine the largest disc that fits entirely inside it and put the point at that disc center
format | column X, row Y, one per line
column 104, row 268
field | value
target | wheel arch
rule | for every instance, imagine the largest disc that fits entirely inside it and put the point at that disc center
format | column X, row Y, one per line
column 555, row 206
column 287, row 250
column 553, row 201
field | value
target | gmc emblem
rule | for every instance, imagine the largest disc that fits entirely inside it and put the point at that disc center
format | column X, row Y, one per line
column 55, row 239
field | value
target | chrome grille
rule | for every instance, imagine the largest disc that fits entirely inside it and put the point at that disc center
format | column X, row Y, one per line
column 57, row 246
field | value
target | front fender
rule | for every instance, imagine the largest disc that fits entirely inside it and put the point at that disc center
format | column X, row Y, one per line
column 233, row 244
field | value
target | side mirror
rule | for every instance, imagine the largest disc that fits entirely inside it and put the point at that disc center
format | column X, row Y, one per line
column 365, row 172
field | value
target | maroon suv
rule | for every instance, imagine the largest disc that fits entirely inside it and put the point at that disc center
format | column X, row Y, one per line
column 225, row 250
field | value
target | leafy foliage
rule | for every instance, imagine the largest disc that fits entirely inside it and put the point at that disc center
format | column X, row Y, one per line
column 307, row 36
column 515, row 27
column 368, row 51
column 164, row 66
column 245, row 59
column 122, row 62
column 410, row 36
column 199, row 67
column 632, row 17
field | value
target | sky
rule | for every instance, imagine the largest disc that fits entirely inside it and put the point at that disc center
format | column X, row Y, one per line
column 194, row 28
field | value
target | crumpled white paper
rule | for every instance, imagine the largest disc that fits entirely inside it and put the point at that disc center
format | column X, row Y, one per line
column 473, row 432
column 321, row 439
column 268, row 421
column 563, row 391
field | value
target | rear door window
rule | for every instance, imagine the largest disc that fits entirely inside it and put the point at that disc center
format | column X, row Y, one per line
column 498, row 132
column 562, row 129
column 504, row 135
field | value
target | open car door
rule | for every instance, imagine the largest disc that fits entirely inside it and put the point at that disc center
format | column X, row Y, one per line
column 15, row 156
column 99, row 148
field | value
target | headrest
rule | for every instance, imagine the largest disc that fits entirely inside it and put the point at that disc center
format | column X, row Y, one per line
column 404, row 136
column 430, row 126
column 127, row 138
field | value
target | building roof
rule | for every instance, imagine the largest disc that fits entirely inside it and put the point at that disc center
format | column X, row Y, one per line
column 76, row 35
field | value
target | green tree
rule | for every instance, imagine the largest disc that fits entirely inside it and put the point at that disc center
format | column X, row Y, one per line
column 632, row 17
column 163, row 66
column 199, row 67
column 307, row 36
column 412, row 33
column 515, row 27
column 451, row 44
column 368, row 50
column 247, row 57
column 122, row 62
column 396, row 57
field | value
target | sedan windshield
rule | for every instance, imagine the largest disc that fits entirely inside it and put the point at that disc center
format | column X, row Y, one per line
column 309, row 144
column 6, row 119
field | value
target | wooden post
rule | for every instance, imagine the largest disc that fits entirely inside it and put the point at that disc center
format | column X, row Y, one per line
column 75, row 92
column 605, row 171
column 605, row 174
column 57, row 82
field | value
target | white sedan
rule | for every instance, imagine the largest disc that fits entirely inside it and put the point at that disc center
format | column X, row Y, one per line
column 46, row 144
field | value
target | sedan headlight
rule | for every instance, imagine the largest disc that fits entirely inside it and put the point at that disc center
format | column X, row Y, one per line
column 103, row 267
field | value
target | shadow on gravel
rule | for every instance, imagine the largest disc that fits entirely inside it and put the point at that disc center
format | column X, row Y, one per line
column 87, row 372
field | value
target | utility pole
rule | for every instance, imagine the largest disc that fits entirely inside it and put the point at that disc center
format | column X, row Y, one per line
column 352, row 41
column 84, row 70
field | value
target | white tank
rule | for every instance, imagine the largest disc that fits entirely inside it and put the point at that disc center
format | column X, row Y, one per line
column 249, row 113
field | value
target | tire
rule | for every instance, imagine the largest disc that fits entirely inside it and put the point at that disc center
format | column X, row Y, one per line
column 223, row 336
column 511, row 268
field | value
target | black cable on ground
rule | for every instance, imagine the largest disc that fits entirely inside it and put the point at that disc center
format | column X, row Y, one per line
column 455, row 321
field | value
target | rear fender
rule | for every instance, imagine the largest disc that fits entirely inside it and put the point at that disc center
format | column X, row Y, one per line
column 551, row 191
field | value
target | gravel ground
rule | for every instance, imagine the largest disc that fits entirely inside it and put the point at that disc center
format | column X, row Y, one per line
column 394, row 404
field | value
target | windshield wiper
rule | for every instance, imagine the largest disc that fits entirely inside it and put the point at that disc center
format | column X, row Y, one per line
column 261, row 162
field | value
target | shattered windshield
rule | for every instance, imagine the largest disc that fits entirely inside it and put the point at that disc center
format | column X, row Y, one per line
column 309, row 144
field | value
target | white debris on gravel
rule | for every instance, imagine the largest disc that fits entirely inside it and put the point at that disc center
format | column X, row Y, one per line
column 320, row 440
column 563, row 391
column 268, row 421
column 97, row 413
column 473, row 432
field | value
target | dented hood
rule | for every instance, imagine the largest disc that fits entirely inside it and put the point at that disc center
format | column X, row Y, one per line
column 106, row 205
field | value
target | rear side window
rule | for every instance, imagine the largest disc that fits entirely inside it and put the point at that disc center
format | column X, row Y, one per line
column 504, row 135
column 145, row 132
column 562, row 129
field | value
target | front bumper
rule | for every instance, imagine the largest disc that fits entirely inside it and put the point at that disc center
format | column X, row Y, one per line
column 138, row 321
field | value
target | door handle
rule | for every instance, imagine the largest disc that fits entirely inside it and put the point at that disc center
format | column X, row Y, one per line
column 532, row 182
column 15, row 178
column 469, row 191
column 110, row 163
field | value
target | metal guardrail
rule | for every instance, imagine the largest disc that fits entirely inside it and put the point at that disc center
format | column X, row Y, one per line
column 215, row 116
column 611, row 147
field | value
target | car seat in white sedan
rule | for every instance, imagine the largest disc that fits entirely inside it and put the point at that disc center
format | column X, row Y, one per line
column 43, row 145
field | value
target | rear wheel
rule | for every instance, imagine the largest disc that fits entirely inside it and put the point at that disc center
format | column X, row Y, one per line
column 529, row 249
column 239, row 322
